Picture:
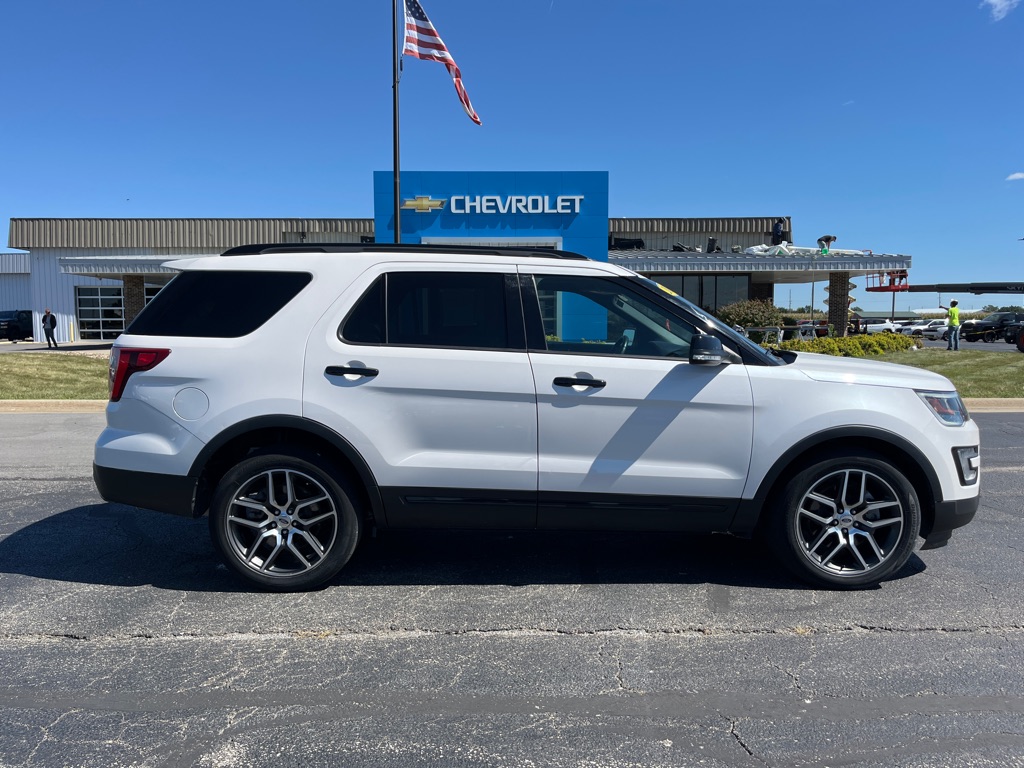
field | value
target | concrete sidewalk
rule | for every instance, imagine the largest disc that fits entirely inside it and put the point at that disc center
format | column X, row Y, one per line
column 974, row 405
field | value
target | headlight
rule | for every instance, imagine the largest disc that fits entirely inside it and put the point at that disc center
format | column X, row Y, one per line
column 947, row 407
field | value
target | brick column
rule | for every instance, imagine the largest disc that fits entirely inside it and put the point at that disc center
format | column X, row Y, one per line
column 134, row 296
column 838, row 301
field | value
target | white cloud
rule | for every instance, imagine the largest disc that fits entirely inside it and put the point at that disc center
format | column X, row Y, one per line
column 1015, row 177
column 999, row 8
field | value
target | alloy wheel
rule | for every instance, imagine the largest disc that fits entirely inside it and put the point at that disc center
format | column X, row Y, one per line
column 849, row 523
column 281, row 522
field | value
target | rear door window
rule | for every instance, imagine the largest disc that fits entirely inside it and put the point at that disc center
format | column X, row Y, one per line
column 438, row 309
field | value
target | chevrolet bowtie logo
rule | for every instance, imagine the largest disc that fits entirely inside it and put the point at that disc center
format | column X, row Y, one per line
column 423, row 204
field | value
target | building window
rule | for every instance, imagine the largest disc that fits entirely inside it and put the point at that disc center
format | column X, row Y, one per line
column 100, row 310
column 709, row 292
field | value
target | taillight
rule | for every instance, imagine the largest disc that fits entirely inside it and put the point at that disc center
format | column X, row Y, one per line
column 124, row 361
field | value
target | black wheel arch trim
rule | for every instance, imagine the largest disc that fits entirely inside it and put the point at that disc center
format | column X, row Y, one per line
column 297, row 423
column 750, row 509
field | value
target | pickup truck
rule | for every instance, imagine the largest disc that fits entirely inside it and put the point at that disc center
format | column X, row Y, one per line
column 990, row 327
column 15, row 324
column 1012, row 331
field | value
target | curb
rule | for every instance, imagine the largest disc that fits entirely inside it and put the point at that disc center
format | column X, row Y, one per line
column 53, row 406
column 974, row 405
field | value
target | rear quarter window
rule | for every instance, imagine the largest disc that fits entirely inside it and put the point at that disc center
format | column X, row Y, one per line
column 212, row 304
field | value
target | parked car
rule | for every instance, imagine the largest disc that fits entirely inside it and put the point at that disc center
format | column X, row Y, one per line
column 303, row 395
column 918, row 328
column 880, row 326
column 990, row 327
column 16, row 324
column 937, row 332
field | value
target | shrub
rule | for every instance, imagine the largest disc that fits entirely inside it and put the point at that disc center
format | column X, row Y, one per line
column 751, row 314
column 859, row 345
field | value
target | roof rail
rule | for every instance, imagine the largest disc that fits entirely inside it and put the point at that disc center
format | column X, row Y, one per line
column 479, row 250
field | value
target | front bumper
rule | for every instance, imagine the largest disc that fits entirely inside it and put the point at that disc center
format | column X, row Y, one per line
column 949, row 515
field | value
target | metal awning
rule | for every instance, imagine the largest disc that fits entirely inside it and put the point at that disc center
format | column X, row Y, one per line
column 117, row 266
column 762, row 268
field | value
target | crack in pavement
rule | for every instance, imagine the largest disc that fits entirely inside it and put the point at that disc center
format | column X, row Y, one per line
column 733, row 723
column 398, row 632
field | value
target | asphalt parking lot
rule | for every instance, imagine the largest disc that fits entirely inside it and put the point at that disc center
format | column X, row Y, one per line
column 123, row 642
column 996, row 346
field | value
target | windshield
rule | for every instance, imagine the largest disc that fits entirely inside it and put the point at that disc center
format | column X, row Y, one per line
column 7, row 315
column 721, row 329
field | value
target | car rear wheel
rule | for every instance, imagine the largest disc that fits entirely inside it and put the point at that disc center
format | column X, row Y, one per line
column 989, row 337
column 284, row 522
column 847, row 521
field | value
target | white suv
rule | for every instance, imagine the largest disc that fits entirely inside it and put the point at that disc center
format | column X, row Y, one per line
column 302, row 395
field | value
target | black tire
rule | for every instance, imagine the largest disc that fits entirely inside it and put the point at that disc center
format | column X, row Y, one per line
column 989, row 337
column 284, row 521
column 1020, row 341
column 847, row 521
column 945, row 336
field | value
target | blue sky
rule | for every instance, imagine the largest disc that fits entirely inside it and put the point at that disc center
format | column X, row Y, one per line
column 897, row 125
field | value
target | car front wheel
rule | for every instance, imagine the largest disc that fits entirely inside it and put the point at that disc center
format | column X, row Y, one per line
column 848, row 521
column 284, row 522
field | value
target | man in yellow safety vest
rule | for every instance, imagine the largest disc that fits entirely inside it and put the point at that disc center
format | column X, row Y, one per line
column 952, row 326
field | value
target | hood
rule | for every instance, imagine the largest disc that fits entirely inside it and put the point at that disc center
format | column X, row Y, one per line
column 853, row 370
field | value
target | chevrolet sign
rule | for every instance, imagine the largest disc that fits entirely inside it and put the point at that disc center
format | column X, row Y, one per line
column 423, row 204
column 515, row 204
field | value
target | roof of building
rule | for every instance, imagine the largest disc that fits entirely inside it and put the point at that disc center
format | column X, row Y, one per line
column 214, row 234
column 785, row 269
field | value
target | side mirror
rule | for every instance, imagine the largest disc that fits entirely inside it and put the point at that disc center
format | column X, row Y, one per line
column 708, row 350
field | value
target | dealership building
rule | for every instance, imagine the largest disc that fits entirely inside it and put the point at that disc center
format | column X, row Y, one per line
column 95, row 275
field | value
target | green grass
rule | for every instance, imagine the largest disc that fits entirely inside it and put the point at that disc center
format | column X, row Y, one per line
column 52, row 376
column 61, row 376
column 974, row 373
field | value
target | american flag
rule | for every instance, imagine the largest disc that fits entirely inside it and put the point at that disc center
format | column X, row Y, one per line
column 423, row 42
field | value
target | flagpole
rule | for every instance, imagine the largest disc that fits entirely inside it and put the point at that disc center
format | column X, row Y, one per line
column 394, row 110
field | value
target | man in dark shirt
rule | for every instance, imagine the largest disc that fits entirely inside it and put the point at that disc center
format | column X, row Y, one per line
column 778, row 230
column 49, row 326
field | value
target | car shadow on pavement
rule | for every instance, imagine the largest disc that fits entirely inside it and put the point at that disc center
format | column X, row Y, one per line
column 117, row 545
